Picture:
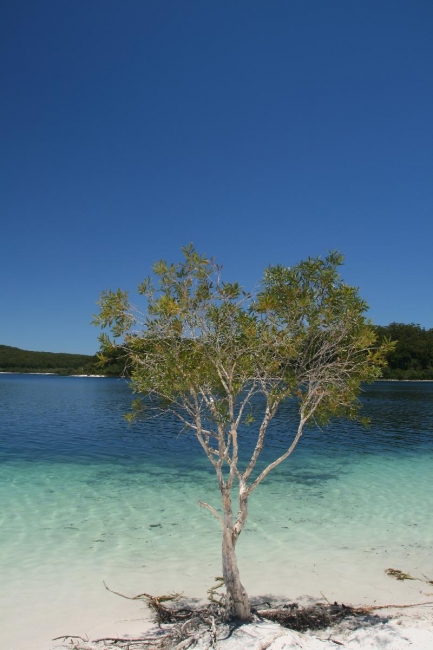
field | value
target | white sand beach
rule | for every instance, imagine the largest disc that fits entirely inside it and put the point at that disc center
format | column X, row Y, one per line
column 390, row 629
column 109, row 615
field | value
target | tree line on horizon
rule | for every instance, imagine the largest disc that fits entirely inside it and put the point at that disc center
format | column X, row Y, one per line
column 411, row 359
column 59, row 363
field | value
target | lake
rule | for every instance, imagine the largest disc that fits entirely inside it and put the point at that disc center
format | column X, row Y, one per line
column 86, row 498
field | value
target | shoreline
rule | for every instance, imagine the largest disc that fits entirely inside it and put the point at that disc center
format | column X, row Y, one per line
column 56, row 374
column 402, row 628
column 406, row 381
column 388, row 628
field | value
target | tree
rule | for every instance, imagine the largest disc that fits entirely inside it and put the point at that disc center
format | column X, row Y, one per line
column 204, row 349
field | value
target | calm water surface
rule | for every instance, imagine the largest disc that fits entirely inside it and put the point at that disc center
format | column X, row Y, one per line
column 84, row 497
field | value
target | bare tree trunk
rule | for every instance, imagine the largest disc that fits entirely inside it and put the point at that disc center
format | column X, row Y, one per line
column 237, row 597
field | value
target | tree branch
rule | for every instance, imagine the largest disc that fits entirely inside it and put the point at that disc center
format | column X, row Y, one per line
column 269, row 413
column 279, row 460
column 213, row 511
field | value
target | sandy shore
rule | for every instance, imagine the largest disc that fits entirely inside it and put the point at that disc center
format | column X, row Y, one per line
column 390, row 628
column 402, row 632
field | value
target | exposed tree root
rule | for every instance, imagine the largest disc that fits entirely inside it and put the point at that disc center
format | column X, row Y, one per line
column 374, row 608
column 69, row 636
column 315, row 617
column 182, row 626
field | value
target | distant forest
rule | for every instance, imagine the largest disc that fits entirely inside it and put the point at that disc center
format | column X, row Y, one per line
column 411, row 359
column 59, row 363
column 413, row 354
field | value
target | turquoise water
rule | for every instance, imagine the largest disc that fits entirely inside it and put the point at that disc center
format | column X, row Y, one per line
column 85, row 498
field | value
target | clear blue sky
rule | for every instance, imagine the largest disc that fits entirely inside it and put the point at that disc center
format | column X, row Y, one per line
column 263, row 131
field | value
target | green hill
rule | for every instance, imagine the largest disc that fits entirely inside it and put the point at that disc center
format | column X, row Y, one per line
column 25, row 361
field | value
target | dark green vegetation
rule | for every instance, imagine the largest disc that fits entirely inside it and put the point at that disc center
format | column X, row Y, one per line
column 24, row 361
column 413, row 354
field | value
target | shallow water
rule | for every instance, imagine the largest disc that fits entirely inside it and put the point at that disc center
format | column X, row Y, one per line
column 85, row 498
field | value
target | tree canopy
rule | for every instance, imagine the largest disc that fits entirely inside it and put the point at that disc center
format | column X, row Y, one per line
column 203, row 349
